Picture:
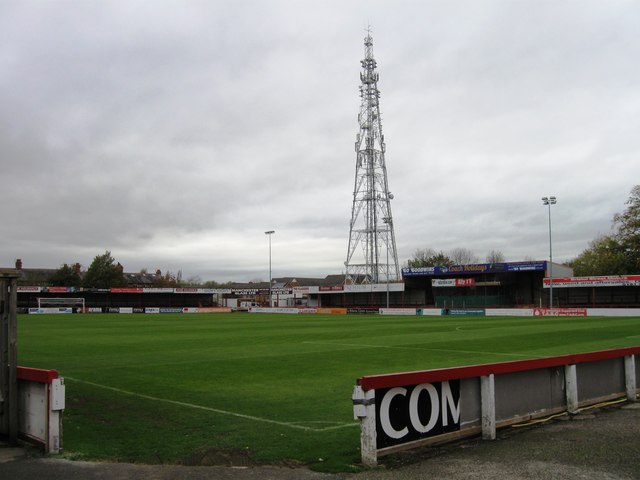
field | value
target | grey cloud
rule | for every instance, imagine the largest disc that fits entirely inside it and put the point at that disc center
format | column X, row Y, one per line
column 174, row 134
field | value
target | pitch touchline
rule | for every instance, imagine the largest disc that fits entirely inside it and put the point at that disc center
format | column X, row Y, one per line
column 362, row 345
column 210, row 409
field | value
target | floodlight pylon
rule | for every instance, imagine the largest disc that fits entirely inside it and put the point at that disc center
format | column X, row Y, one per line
column 371, row 228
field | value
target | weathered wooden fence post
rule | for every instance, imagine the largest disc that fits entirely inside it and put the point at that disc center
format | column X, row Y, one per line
column 8, row 357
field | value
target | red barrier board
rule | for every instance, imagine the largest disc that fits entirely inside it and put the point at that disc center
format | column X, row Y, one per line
column 373, row 382
column 36, row 374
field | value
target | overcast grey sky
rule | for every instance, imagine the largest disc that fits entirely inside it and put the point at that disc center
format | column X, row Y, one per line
column 174, row 133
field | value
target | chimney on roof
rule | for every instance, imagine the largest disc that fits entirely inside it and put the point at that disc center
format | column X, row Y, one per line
column 19, row 264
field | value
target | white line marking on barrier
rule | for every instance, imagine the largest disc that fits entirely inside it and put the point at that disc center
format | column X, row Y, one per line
column 363, row 345
column 216, row 410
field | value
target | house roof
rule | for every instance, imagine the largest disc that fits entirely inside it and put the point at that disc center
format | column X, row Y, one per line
column 141, row 279
column 288, row 282
column 35, row 276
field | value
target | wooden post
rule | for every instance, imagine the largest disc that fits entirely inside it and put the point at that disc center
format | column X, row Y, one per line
column 8, row 357
column 488, row 406
column 571, row 388
column 364, row 409
column 630, row 377
column 4, row 357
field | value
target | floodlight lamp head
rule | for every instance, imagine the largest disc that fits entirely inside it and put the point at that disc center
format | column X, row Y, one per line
column 553, row 200
column 269, row 232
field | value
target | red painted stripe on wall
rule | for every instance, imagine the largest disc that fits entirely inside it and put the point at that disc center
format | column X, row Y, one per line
column 372, row 382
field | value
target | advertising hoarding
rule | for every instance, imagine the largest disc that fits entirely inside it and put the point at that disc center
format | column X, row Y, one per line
column 595, row 281
column 474, row 268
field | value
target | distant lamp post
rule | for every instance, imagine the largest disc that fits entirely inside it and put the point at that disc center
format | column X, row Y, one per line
column 387, row 221
column 550, row 201
column 269, row 233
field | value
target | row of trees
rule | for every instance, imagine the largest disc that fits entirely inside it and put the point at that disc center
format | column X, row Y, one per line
column 105, row 272
column 428, row 257
column 102, row 273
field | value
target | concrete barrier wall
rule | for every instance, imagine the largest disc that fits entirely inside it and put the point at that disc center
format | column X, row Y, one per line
column 405, row 410
column 600, row 380
column 41, row 400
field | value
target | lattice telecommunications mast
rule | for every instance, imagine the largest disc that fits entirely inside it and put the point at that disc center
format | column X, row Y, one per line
column 371, row 255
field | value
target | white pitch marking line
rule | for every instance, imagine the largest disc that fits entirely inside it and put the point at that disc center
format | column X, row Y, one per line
column 210, row 409
column 362, row 345
column 332, row 427
column 337, row 427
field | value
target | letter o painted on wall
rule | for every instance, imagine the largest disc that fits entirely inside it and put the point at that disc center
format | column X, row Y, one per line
column 413, row 407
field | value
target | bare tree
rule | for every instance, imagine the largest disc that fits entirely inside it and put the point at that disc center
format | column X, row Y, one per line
column 463, row 256
column 420, row 257
column 428, row 257
column 495, row 256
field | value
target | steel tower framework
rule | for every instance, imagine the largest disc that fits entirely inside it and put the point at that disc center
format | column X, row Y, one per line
column 371, row 255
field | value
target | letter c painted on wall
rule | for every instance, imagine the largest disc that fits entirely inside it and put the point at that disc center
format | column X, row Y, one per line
column 384, row 413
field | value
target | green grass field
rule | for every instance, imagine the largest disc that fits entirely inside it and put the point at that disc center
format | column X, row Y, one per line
column 267, row 388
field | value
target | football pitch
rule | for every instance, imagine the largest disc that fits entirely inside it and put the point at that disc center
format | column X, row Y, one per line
column 199, row 389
